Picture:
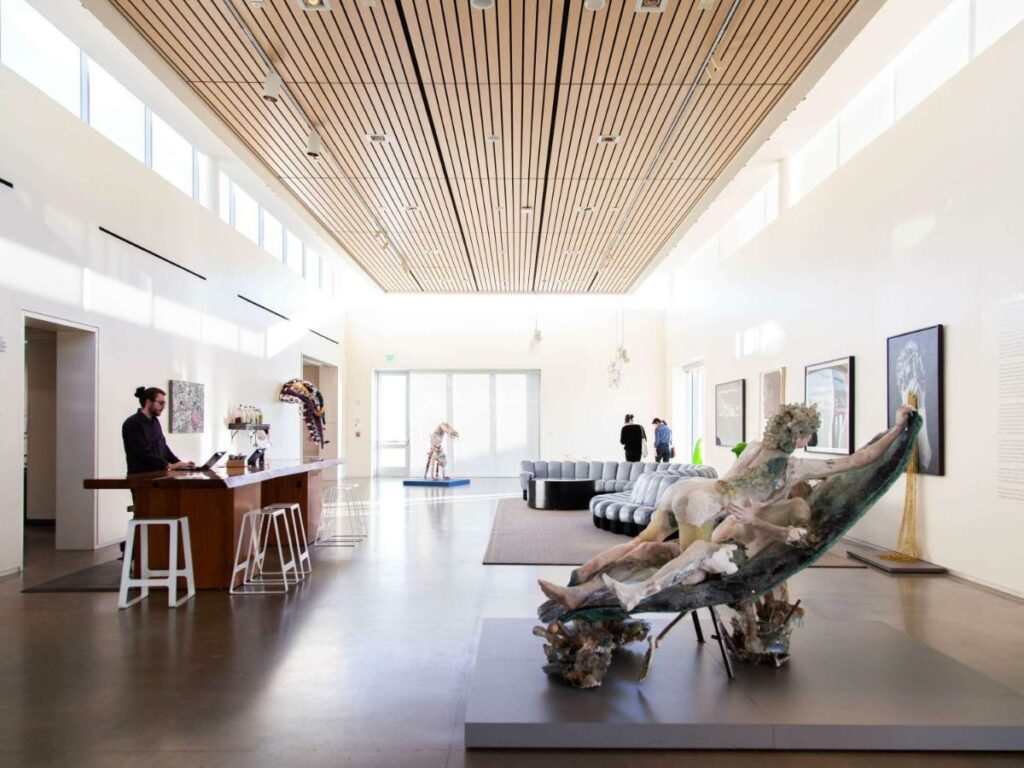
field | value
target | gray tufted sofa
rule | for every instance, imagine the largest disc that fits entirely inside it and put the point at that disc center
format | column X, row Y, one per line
column 630, row 511
column 609, row 476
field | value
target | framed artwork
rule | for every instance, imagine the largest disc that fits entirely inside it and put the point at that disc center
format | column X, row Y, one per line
column 914, row 366
column 772, row 394
column 730, row 413
column 187, row 406
column 829, row 386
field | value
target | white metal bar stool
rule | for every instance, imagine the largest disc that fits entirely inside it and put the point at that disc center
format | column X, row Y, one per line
column 341, row 506
column 254, row 537
column 298, row 531
column 148, row 577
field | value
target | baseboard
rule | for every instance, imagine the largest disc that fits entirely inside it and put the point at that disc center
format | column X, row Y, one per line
column 10, row 571
column 40, row 522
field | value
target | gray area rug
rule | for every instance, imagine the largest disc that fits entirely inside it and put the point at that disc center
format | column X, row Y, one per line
column 524, row 536
column 105, row 577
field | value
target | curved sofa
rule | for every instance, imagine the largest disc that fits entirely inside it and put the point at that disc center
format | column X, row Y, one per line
column 628, row 512
column 608, row 476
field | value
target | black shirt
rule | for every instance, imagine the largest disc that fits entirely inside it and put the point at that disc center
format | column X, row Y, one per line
column 144, row 446
column 632, row 437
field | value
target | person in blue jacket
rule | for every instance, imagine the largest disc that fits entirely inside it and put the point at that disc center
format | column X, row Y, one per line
column 662, row 440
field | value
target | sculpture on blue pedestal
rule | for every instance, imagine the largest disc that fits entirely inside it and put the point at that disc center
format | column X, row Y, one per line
column 740, row 538
column 437, row 458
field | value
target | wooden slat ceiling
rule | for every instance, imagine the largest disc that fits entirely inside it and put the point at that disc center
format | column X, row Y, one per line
column 547, row 76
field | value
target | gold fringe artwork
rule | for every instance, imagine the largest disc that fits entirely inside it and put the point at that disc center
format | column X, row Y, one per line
column 907, row 548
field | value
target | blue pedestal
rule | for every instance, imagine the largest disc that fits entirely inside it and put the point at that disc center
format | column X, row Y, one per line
column 438, row 483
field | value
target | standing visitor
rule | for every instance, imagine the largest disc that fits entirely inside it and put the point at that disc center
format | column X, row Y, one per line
column 632, row 438
column 662, row 440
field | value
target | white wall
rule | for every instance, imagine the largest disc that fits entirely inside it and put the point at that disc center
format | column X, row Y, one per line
column 924, row 226
column 154, row 322
column 580, row 415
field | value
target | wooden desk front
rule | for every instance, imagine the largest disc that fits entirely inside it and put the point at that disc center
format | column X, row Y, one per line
column 214, row 503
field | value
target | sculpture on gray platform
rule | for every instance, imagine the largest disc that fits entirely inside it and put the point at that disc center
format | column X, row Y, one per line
column 768, row 523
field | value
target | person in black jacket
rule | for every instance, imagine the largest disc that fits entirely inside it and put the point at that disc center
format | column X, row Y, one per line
column 145, row 449
column 632, row 438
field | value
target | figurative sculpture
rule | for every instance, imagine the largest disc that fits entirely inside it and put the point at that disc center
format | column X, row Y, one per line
column 437, row 459
column 312, row 402
column 768, row 523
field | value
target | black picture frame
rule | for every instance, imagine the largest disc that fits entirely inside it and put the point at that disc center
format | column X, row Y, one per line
column 830, row 386
column 919, row 355
column 729, row 432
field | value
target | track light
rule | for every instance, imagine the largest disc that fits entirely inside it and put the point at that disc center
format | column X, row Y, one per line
column 272, row 87
column 313, row 144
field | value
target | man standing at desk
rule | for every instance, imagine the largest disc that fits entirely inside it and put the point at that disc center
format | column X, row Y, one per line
column 145, row 449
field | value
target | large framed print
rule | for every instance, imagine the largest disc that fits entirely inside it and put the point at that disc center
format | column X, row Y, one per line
column 730, row 413
column 772, row 393
column 829, row 386
column 187, row 406
column 914, row 366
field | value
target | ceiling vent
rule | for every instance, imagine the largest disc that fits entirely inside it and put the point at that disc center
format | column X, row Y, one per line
column 377, row 138
column 315, row 5
column 651, row 6
column 607, row 138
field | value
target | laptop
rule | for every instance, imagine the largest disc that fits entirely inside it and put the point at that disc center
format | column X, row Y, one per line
column 210, row 463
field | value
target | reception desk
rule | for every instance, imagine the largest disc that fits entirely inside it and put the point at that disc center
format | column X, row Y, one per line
column 214, row 502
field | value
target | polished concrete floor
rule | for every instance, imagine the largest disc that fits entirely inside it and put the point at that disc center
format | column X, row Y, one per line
column 369, row 663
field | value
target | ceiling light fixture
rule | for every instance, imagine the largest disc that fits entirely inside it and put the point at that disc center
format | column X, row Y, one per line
column 313, row 145
column 315, row 5
column 526, row 210
column 411, row 208
column 607, row 138
column 492, row 138
column 650, row 6
column 482, row 5
column 593, row 5
column 706, row 5
column 585, row 209
column 377, row 138
column 272, row 87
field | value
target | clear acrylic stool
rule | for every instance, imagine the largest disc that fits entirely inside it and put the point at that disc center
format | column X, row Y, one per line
column 253, row 538
column 164, row 579
column 343, row 519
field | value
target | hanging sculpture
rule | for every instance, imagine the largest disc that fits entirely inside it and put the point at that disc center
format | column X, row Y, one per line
column 437, row 459
column 770, row 524
column 312, row 402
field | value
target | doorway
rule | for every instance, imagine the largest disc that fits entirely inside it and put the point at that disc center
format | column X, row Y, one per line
column 60, row 431
column 324, row 377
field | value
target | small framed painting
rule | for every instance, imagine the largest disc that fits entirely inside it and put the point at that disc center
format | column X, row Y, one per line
column 772, row 394
column 730, row 413
column 187, row 406
column 914, row 370
column 829, row 386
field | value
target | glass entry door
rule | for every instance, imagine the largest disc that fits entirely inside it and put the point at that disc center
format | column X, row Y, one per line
column 392, row 424
column 496, row 413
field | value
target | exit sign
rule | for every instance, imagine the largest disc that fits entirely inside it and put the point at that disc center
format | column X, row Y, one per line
column 389, row 358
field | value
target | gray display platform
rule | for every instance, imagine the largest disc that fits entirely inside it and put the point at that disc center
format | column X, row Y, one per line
column 850, row 686
column 872, row 556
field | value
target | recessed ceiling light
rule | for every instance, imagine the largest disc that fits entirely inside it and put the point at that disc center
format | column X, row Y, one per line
column 482, row 5
column 255, row 3
column 607, row 138
column 585, row 209
column 315, row 5
column 411, row 208
column 492, row 138
column 593, row 5
column 526, row 210
column 573, row 253
column 377, row 138
column 650, row 6
column 706, row 5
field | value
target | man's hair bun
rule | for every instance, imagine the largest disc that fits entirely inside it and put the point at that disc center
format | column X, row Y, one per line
column 139, row 391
